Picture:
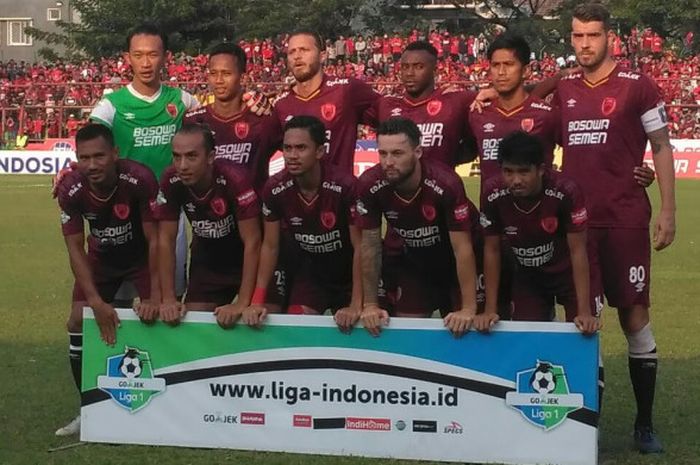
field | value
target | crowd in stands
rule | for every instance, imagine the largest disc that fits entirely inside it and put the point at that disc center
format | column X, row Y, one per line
column 53, row 100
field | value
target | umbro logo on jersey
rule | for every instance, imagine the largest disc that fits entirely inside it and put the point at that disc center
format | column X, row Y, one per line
column 571, row 103
column 129, row 116
column 396, row 112
column 489, row 127
column 295, row 221
column 189, row 206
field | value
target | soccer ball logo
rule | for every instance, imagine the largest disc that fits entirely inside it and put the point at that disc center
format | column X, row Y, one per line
column 543, row 380
column 130, row 365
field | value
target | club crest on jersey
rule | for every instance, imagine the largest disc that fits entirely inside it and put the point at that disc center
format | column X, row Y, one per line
column 527, row 124
column 434, row 107
column 121, row 211
column 328, row 111
column 608, row 106
column 328, row 219
column 218, row 206
column 171, row 109
column 241, row 129
column 428, row 212
column 550, row 224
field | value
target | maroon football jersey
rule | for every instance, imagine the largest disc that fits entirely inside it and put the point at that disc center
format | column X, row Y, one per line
column 536, row 232
column 424, row 221
column 534, row 116
column 213, row 216
column 443, row 120
column 340, row 104
column 115, row 222
column 604, row 127
column 245, row 139
column 320, row 226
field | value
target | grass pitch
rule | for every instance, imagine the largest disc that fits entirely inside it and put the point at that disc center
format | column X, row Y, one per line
column 37, row 394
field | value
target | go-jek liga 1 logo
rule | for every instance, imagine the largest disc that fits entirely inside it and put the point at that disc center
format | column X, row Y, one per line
column 129, row 379
column 542, row 395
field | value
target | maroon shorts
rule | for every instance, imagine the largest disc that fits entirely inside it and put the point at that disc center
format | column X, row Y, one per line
column 108, row 279
column 534, row 295
column 308, row 290
column 619, row 261
column 278, row 288
column 207, row 286
column 505, row 281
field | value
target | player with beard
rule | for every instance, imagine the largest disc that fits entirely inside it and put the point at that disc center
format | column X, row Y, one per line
column 241, row 136
column 425, row 202
column 114, row 196
column 608, row 114
column 224, row 212
column 315, row 200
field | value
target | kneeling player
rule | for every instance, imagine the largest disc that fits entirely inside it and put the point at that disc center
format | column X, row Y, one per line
column 315, row 201
column 543, row 219
column 425, row 203
column 224, row 212
column 115, row 197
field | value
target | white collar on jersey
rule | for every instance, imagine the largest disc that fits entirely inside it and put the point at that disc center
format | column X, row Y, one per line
column 145, row 98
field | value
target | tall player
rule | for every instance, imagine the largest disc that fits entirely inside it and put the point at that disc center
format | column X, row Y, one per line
column 241, row 136
column 425, row 202
column 608, row 114
column 224, row 212
column 315, row 200
column 114, row 196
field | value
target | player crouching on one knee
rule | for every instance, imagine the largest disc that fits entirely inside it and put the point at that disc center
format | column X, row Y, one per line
column 115, row 197
column 312, row 202
column 425, row 203
column 542, row 216
column 224, row 212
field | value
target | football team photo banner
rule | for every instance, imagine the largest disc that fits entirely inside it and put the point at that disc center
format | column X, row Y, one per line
column 524, row 394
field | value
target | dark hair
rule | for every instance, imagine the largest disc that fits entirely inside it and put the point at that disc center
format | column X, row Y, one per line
column 93, row 131
column 197, row 128
column 148, row 29
column 308, row 32
column 520, row 148
column 423, row 46
column 507, row 41
column 587, row 12
column 393, row 126
column 233, row 50
column 313, row 125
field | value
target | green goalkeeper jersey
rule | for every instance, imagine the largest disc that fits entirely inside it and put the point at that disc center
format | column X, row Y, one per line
column 143, row 126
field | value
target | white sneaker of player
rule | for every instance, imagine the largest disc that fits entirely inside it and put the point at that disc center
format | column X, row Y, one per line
column 70, row 429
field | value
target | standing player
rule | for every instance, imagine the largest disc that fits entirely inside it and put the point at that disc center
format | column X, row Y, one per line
column 542, row 217
column 608, row 114
column 426, row 204
column 241, row 136
column 315, row 200
column 224, row 212
column 114, row 196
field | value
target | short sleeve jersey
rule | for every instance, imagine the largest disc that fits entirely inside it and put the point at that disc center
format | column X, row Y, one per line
column 443, row 120
column 319, row 226
column 115, row 222
column 604, row 127
column 216, row 242
column 340, row 103
column 424, row 221
column 490, row 126
column 143, row 126
column 245, row 140
column 537, row 234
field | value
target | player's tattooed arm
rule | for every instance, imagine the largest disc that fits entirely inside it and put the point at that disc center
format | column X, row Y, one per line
column 664, row 229
column 257, row 311
column 492, row 273
column 105, row 315
column 346, row 317
column 170, row 308
column 585, row 320
column 373, row 317
column 147, row 309
column 459, row 322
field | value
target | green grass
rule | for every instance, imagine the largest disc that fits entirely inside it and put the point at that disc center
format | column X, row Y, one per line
column 37, row 393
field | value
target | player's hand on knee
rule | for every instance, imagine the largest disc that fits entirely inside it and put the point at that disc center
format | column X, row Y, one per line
column 257, row 103
column 147, row 311
column 228, row 315
column 587, row 324
column 485, row 321
column 373, row 318
column 644, row 175
column 664, row 229
column 346, row 318
column 459, row 322
column 56, row 180
column 171, row 312
column 107, row 320
column 254, row 315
